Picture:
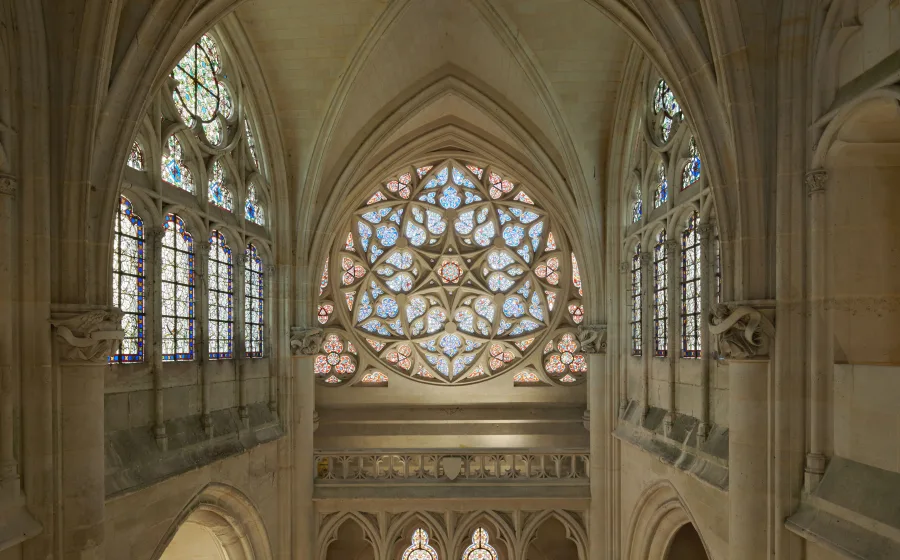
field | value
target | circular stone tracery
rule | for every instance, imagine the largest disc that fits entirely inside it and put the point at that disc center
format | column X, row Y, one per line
column 450, row 273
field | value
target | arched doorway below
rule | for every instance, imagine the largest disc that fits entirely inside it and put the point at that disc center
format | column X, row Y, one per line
column 194, row 541
column 687, row 545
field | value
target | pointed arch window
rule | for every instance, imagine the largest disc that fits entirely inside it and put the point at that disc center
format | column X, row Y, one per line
column 136, row 157
column 690, row 288
column 637, row 206
column 691, row 172
column 254, row 301
column 419, row 549
column 174, row 170
column 667, row 109
column 128, row 281
column 660, row 297
column 199, row 95
column 251, row 144
column 661, row 192
column 637, row 305
column 253, row 209
column 177, row 291
column 220, row 298
column 219, row 194
column 480, row 549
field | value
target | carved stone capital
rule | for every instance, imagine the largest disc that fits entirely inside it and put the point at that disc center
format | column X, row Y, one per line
column 705, row 229
column 8, row 185
column 270, row 269
column 203, row 246
column 815, row 182
column 624, row 267
column 306, row 341
column 592, row 339
column 240, row 260
column 672, row 246
column 740, row 331
column 646, row 259
column 157, row 233
column 91, row 336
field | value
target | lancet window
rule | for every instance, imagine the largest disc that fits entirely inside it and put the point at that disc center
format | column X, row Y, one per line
column 128, row 281
column 178, row 305
column 420, row 549
column 660, row 296
column 480, row 549
column 220, row 291
column 637, row 304
column 254, row 303
column 452, row 272
column 691, row 276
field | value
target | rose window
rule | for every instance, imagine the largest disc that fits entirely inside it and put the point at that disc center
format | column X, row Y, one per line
column 337, row 363
column 562, row 361
column 449, row 273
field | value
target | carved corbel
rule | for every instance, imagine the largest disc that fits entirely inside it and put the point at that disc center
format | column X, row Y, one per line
column 815, row 182
column 592, row 339
column 624, row 267
column 306, row 341
column 740, row 332
column 8, row 185
column 90, row 337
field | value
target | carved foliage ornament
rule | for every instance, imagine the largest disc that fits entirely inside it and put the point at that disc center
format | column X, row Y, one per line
column 306, row 342
column 740, row 332
column 7, row 185
column 592, row 339
column 93, row 336
column 815, row 181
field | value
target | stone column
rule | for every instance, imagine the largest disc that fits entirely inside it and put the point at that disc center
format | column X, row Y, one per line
column 9, row 467
column 673, row 343
column 153, row 333
column 238, row 349
column 201, row 331
column 593, row 343
column 269, row 317
column 624, row 340
column 305, row 344
column 821, row 360
column 743, row 336
column 86, row 336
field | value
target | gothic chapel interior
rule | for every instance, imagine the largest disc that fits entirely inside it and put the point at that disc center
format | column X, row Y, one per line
column 449, row 279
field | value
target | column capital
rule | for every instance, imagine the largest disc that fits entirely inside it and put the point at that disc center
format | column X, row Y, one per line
column 741, row 330
column 592, row 339
column 270, row 269
column 705, row 229
column 306, row 341
column 625, row 267
column 815, row 181
column 88, row 334
column 157, row 233
column 240, row 259
column 646, row 258
column 672, row 246
column 8, row 185
column 203, row 246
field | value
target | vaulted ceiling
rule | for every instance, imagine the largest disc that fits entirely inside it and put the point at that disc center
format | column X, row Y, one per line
column 336, row 68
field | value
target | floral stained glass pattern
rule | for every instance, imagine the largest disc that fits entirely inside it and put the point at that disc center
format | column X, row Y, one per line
column 338, row 360
column 420, row 549
column 251, row 144
column 661, row 192
column 637, row 206
column 563, row 363
column 253, row 209
column 667, row 109
column 526, row 378
column 690, row 288
column 254, row 302
column 691, row 172
column 219, row 194
column 220, row 298
column 374, row 378
column 198, row 92
column 637, row 303
column 174, row 170
column 128, row 281
column 480, row 549
column 177, row 291
column 660, row 297
column 136, row 157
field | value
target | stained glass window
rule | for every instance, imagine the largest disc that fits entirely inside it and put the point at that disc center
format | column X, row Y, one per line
column 198, row 93
column 174, row 170
column 660, row 297
column 177, row 291
column 637, row 206
column 690, row 288
column 128, row 281
column 661, row 192
column 637, row 305
column 420, row 549
column 668, row 110
column 254, row 302
column 562, row 362
column 374, row 378
column 220, row 294
column 526, row 378
column 480, row 549
column 337, row 362
column 718, row 249
column 691, row 172
column 251, row 144
column 253, row 209
column 453, row 271
column 136, row 157
column 219, row 194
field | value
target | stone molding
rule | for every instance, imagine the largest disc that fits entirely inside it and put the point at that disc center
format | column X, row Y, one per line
column 816, row 181
column 625, row 267
column 592, row 339
column 8, row 185
column 740, row 331
column 705, row 230
column 306, row 341
column 646, row 258
column 91, row 336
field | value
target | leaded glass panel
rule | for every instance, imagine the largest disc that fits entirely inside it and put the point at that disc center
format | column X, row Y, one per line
column 177, row 291
column 660, row 297
column 136, row 157
column 253, row 209
column 661, row 192
column 691, row 172
column 128, row 281
column 174, row 170
column 690, row 288
column 254, row 302
column 220, row 298
column 636, row 303
column 419, row 549
column 480, row 549
column 219, row 194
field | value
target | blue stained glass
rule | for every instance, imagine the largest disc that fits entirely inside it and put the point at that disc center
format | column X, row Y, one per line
column 365, row 309
column 376, row 291
column 535, row 233
column 513, row 308
column 465, row 320
column 472, row 198
column 450, row 198
column 403, row 282
column 436, row 320
column 484, row 306
column 504, row 326
column 398, row 328
column 417, row 327
column 415, row 234
column 525, row 290
column 484, row 327
column 365, row 232
column 513, row 235
column 460, row 179
column 482, row 215
column 450, row 345
column 418, row 215
column 436, row 224
column 525, row 253
column 430, row 345
column 460, row 364
column 429, row 198
column 472, row 345
column 498, row 260
column 465, row 223
column 415, row 308
column 440, row 364
column 484, row 234
column 499, row 283
column 525, row 216
column 375, row 326
column 375, row 216
column 504, row 217
column 535, row 308
column 397, row 216
column 375, row 253
column 515, row 271
column 439, row 179
column 387, row 235
column 387, row 308
column 253, row 209
column 527, row 325
column 385, row 271
column 401, row 259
